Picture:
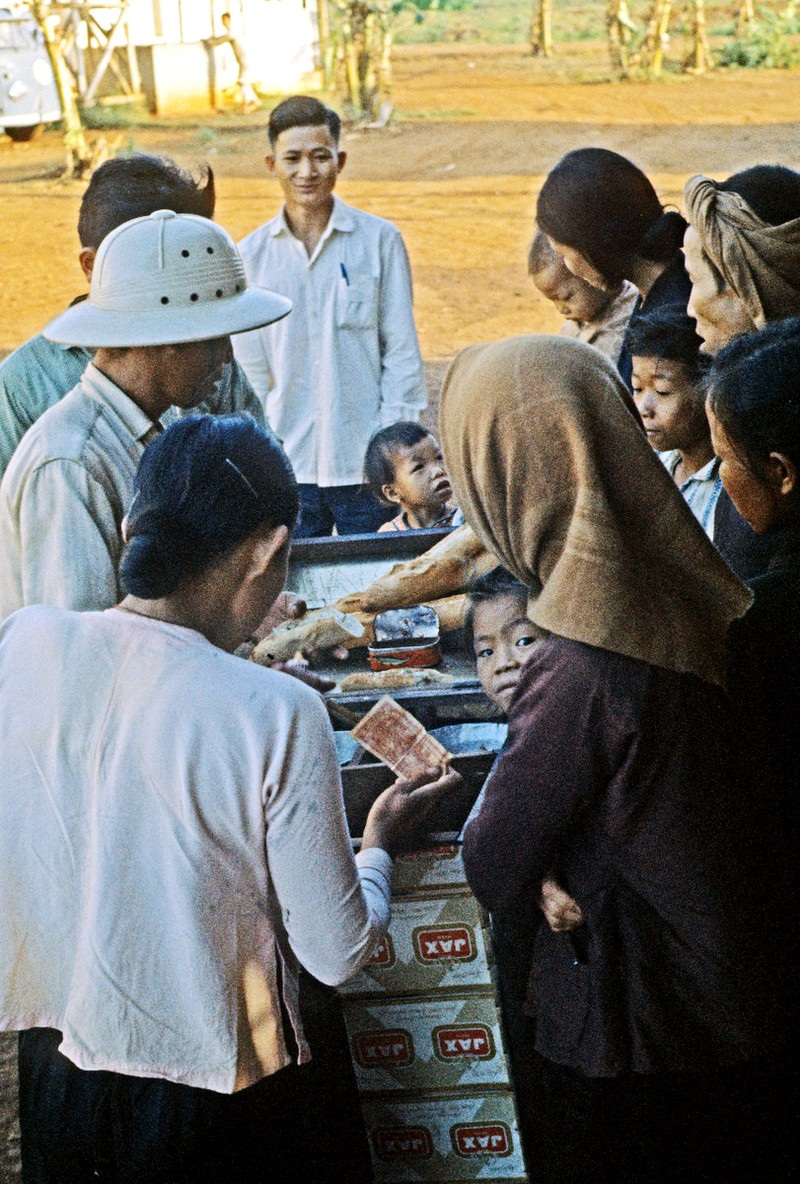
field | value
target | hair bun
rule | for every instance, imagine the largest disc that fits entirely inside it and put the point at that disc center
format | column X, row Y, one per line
column 663, row 238
column 150, row 567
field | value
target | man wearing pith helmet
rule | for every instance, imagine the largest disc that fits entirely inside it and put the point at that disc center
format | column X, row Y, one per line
column 166, row 292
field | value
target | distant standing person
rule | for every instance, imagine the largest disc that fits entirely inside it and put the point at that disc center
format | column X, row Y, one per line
column 350, row 363
column 250, row 101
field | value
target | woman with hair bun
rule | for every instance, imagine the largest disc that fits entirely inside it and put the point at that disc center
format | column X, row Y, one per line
column 173, row 843
column 603, row 216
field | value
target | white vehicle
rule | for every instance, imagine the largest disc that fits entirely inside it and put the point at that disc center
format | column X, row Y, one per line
column 28, row 93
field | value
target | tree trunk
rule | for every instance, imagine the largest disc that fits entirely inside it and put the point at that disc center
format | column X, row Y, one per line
column 618, row 29
column 747, row 18
column 541, row 36
column 351, row 65
column 657, row 59
column 701, row 57
column 78, row 153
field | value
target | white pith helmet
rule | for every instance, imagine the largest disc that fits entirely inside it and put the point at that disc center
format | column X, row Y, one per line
column 162, row 280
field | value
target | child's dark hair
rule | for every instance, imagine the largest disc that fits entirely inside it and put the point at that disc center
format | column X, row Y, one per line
column 603, row 205
column 302, row 111
column 201, row 488
column 753, row 389
column 541, row 254
column 382, row 450
column 134, row 186
column 495, row 583
column 668, row 332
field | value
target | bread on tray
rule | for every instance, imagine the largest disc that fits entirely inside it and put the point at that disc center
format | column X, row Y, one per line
column 390, row 680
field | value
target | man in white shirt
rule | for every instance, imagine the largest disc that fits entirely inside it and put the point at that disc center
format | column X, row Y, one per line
column 349, row 362
column 66, row 489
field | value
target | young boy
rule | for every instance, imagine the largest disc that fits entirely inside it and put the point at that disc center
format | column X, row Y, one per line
column 404, row 467
column 667, row 368
column 599, row 318
column 502, row 638
column 347, row 359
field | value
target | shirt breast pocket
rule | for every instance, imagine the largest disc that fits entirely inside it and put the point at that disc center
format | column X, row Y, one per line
column 357, row 303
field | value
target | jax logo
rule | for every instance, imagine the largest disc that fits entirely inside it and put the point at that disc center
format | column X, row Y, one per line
column 437, row 945
column 461, row 1041
column 384, row 954
column 473, row 1139
column 442, row 851
column 389, row 1048
column 402, row 1142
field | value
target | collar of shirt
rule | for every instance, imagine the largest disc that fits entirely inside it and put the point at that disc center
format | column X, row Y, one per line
column 707, row 473
column 341, row 219
column 106, row 392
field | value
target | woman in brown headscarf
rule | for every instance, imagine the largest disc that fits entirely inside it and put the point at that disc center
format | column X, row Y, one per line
column 615, row 772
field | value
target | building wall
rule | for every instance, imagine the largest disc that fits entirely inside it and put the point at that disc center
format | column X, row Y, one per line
column 280, row 35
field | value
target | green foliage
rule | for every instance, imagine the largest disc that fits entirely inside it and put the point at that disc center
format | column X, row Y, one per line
column 101, row 118
column 440, row 5
column 766, row 45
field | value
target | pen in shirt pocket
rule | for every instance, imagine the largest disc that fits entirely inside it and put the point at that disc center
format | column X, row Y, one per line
column 345, row 276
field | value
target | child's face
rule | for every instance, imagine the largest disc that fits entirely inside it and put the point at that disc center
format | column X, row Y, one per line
column 573, row 297
column 672, row 414
column 420, row 478
column 502, row 641
column 765, row 502
column 306, row 162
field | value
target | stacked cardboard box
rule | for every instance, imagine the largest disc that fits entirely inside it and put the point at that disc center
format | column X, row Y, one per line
column 426, row 1039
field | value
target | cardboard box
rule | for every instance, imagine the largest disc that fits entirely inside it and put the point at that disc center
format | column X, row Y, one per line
column 461, row 1137
column 434, row 943
column 427, row 1044
column 435, row 867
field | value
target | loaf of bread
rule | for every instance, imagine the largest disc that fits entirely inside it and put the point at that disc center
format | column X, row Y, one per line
column 447, row 568
column 391, row 680
column 322, row 629
column 327, row 627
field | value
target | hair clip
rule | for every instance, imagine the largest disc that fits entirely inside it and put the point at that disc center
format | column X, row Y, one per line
column 241, row 476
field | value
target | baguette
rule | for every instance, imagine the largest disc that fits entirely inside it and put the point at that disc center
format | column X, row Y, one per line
column 446, row 569
column 388, row 680
column 324, row 628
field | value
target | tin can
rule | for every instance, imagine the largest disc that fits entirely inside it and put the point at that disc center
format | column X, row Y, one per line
column 386, row 658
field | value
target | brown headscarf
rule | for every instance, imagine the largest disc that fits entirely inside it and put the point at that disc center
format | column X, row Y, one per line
column 554, row 475
column 760, row 262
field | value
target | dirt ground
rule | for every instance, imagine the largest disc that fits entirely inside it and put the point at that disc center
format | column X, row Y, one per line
column 459, row 175
column 461, row 182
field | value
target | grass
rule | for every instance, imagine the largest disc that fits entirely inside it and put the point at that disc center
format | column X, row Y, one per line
column 504, row 22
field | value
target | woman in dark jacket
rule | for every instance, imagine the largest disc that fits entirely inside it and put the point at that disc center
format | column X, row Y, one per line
column 651, row 1015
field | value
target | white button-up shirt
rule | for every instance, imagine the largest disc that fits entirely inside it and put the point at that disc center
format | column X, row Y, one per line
column 172, row 839
column 63, row 498
column 346, row 360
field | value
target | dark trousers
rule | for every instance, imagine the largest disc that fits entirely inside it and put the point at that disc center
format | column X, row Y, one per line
column 298, row 1126
column 732, row 1126
column 350, row 508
